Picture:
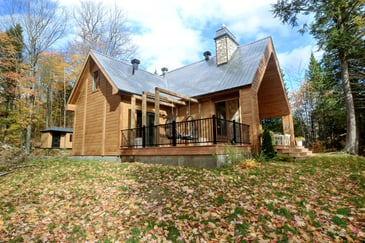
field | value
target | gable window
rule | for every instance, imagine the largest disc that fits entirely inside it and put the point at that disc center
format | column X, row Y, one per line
column 95, row 80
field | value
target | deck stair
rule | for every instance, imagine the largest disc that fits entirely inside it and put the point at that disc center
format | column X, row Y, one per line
column 297, row 152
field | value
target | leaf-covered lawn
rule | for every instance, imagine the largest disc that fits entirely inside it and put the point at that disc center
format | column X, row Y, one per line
column 321, row 199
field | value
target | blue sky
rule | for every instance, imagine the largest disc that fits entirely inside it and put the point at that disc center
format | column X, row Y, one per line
column 172, row 33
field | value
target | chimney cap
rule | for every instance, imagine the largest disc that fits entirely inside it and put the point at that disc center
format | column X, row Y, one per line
column 224, row 31
column 207, row 54
column 164, row 70
column 135, row 61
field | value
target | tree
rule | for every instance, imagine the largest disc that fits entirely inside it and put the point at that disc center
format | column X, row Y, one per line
column 55, row 87
column 43, row 23
column 103, row 29
column 11, row 52
column 267, row 147
column 338, row 27
column 318, row 107
column 13, row 87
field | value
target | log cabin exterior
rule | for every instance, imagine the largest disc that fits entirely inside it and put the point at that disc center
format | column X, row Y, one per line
column 241, row 83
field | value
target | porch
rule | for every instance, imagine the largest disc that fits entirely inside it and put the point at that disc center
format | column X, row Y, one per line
column 195, row 142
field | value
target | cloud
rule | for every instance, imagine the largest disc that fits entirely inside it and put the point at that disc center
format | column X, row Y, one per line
column 175, row 33
column 294, row 63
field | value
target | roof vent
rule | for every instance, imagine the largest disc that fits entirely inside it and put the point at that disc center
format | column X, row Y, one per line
column 207, row 55
column 164, row 71
column 135, row 63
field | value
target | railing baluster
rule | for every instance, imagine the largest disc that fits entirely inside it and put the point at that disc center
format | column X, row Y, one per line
column 234, row 132
column 174, row 133
column 144, row 136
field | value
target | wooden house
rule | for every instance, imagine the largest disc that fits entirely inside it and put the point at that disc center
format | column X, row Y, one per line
column 182, row 116
column 56, row 137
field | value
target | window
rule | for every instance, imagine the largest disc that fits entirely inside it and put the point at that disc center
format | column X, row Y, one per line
column 71, row 138
column 95, row 80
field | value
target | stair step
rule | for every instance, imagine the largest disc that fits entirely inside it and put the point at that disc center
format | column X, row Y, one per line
column 298, row 152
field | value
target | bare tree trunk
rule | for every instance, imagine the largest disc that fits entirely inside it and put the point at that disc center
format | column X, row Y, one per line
column 31, row 106
column 29, row 126
column 352, row 141
column 64, row 98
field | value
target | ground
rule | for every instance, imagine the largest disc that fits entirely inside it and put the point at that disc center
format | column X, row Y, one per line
column 320, row 199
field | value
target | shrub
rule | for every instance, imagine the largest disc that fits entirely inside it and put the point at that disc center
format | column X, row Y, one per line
column 248, row 164
column 318, row 147
column 259, row 157
column 267, row 146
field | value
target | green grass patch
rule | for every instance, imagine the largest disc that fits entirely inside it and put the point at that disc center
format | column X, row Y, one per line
column 284, row 212
column 173, row 234
column 339, row 221
column 344, row 211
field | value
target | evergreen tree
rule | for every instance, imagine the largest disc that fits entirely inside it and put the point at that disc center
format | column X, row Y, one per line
column 338, row 27
column 267, row 147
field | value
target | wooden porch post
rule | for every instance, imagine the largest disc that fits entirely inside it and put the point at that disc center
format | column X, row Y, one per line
column 133, row 112
column 157, row 107
column 144, row 109
column 248, row 105
column 288, row 127
column 157, row 116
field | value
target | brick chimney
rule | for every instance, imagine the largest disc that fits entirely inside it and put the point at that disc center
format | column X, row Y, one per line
column 225, row 45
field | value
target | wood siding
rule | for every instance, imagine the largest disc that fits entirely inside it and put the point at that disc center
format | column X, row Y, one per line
column 97, row 117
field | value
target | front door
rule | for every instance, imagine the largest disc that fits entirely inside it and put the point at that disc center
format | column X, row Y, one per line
column 56, row 139
column 227, row 111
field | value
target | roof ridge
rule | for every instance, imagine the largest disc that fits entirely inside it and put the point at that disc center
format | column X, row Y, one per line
column 190, row 64
column 124, row 62
column 193, row 63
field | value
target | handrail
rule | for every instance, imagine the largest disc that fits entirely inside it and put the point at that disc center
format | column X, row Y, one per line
column 197, row 132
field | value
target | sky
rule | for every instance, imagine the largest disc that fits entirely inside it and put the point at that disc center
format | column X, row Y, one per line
column 174, row 33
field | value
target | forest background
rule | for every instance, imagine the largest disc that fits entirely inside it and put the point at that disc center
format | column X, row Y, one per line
column 36, row 80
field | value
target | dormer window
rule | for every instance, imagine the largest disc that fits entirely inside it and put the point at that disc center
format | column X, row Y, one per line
column 95, row 80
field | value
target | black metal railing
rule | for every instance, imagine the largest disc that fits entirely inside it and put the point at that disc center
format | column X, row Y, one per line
column 196, row 131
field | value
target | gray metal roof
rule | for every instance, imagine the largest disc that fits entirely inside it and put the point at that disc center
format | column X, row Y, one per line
column 206, row 77
column 200, row 78
column 58, row 129
column 121, row 74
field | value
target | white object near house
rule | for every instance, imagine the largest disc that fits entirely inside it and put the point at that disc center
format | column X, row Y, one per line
column 138, row 142
column 286, row 139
